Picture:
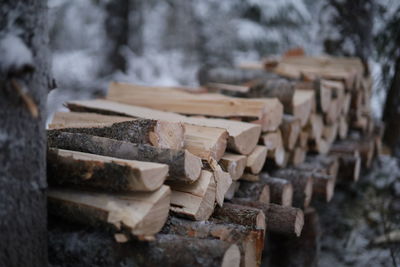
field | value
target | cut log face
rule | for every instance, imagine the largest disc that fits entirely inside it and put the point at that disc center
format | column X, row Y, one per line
column 84, row 169
column 255, row 191
column 249, row 241
column 194, row 201
column 232, row 190
column 243, row 137
column 216, row 105
column 256, row 160
column 349, row 166
column 303, row 139
column 290, row 129
column 280, row 219
column 298, row 155
column 157, row 133
column 272, row 140
column 143, row 214
column 183, row 165
column 281, row 190
column 233, row 164
column 247, row 216
column 302, row 186
column 303, row 102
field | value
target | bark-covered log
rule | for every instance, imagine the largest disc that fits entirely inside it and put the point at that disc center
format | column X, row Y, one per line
column 78, row 248
column 67, row 167
column 140, row 214
column 297, row 251
column 255, row 191
column 141, row 131
column 238, row 214
column 326, row 164
column 25, row 80
column 243, row 137
column 349, row 166
column 281, row 190
column 183, row 165
column 302, row 186
column 249, row 241
column 280, row 219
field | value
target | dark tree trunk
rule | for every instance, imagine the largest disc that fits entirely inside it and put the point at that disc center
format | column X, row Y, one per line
column 391, row 115
column 24, row 83
column 123, row 27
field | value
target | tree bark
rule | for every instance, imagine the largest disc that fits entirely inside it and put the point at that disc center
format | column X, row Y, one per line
column 23, row 90
column 183, row 166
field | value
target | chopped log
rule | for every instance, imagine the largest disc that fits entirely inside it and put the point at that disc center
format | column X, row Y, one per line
column 303, row 139
column 302, row 186
column 330, row 132
column 278, row 155
column 333, row 112
column 97, row 248
column 343, row 127
column 272, row 140
column 257, row 84
column 290, row 129
column 243, row 137
column 223, row 180
column 196, row 200
column 302, row 105
column 238, row 214
column 280, row 219
column 297, row 156
column 365, row 146
column 323, row 185
column 281, row 190
column 323, row 93
column 250, row 177
column 297, row 251
column 320, row 146
column 198, row 104
column 255, row 191
column 325, row 164
column 255, row 161
column 233, row 188
column 349, row 166
column 233, row 164
column 157, row 133
column 66, row 167
column 142, row 214
column 316, row 126
column 249, row 241
column 183, row 165
column 83, row 119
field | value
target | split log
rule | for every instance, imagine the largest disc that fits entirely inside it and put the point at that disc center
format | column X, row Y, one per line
column 297, row 251
column 156, row 133
column 223, row 180
column 365, row 146
column 272, row 140
column 238, row 214
column 278, row 155
column 66, row 167
column 183, row 165
column 321, row 163
column 343, row 127
column 280, row 219
column 201, row 141
column 233, row 188
column 281, row 190
column 316, row 126
column 268, row 111
column 255, row 191
column 323, row 94
column 243, row 137
column 302, row 105
column 250, row 177
column 302, row 186
column 303, row 139
column 297, row 156
column 257, row 84
column 330, row 132
column 196, row 200
column 290, row 129
column 349, row 166
column 333, row 112
column 249, row 241
column 141, row 214
column 255, row 161
column 233, row 164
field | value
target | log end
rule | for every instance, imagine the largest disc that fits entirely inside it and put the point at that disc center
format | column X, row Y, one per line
column 265, row 195
column 261, row 221
column 231, row 257
column 330, row 189
column 192, row 166
column 299, row 222
column 168, row 135
column 287, row 195
column 246, row 141
column 308, row 191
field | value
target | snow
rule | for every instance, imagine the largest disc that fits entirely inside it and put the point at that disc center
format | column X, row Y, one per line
column 14, row 53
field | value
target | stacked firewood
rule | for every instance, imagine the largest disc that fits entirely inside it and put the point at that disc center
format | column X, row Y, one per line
column 215, row 167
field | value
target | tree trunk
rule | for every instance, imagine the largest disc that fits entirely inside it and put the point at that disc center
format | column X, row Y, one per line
column 391, row 113
column 24, row 81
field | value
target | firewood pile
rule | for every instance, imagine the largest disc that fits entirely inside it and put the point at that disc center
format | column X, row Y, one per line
column 204, row 176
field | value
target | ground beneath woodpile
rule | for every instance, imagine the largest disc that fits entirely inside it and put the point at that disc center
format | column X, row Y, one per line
column 357, row 222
